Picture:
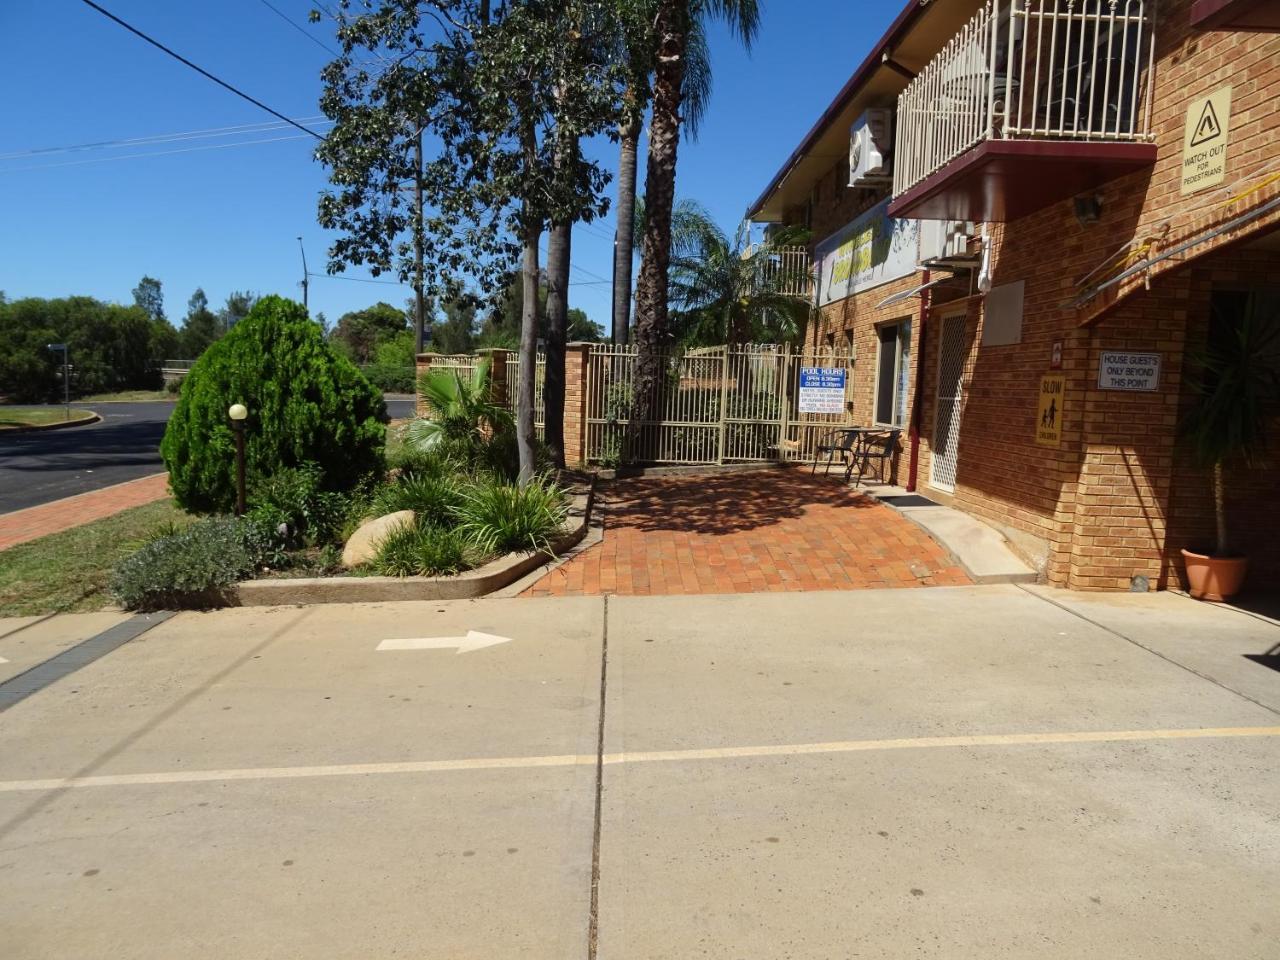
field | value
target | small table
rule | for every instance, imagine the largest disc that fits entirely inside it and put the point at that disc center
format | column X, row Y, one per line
column 857, row 448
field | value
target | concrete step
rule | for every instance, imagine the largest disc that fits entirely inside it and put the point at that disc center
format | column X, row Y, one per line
column 980, row 549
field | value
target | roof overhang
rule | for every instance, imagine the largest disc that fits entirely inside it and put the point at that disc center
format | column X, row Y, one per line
column 1257, row 15
column 1001, row 180
column 912, row 40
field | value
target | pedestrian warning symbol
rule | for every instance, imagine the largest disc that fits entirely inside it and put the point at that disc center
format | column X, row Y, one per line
column 1049, row 410
column 1204, row 144
column 1208, row 128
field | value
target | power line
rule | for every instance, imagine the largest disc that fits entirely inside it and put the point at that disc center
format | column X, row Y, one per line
column 265, row 126
column 582, row 270
column 200, row 70
column 336, row 276
column 154, row 153
column 306, row 33
column 595, row 231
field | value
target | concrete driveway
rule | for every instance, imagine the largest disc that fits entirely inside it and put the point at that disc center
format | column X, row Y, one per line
column 958, row 772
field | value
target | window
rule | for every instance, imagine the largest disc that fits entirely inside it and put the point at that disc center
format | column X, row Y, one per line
column 893, row 373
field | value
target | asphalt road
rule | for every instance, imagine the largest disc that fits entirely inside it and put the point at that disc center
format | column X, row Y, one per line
column 48, row 465
column 998, row 773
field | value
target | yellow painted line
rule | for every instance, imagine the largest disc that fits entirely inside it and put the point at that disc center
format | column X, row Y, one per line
column 918, row 743
column 293, row 773
column 649, row 756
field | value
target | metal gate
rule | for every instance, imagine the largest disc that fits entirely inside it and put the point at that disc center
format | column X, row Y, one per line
column 717, row 405
column 949, row 403
column 539, row 383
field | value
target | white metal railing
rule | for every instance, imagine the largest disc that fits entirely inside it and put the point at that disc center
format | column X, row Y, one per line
column 717, row 405
column 539, row 383
column 788, row 271
column 1030, row 69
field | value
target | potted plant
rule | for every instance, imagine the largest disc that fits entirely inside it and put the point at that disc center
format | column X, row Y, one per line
column 1236, row 383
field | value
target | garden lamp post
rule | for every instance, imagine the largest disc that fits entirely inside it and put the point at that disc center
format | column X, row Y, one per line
column 66, row 378
column 237, row 412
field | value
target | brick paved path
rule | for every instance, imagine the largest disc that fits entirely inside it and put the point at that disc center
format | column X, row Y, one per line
column 23, row 525
column 748, row 533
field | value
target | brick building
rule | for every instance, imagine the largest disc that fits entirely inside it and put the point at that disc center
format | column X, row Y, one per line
column 1024, row 215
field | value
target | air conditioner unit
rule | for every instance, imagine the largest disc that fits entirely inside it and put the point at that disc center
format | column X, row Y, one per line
column 945, row 240
column 870, row 144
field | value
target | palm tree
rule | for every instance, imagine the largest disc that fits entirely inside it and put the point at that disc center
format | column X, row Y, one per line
column 461, row 414
column 673, row 26
column 638, row 52
column 726, row 290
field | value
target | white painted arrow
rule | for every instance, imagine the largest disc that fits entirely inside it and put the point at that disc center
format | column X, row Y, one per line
column 474, row 640
column 3, row 660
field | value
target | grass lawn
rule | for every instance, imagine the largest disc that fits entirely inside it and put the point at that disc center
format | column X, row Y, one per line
column 130, row 396
column 14, row 417
column 69, row 571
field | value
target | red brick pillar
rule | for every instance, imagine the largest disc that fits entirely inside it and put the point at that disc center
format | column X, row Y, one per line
column 422, row 363
column 575, row 403
column 498, row 392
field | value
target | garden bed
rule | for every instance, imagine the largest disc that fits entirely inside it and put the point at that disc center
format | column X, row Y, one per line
column 483, row 580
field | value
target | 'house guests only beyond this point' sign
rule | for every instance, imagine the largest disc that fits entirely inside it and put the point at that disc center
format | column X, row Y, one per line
column 822, row 389
column 1129, row 371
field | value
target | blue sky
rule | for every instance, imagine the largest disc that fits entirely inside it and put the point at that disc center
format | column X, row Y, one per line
column 94, row 221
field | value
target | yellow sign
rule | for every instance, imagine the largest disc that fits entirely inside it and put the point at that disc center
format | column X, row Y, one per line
column 1049, row 409
column 1204, row 142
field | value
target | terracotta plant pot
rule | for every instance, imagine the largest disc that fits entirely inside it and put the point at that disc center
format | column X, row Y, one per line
column 1214, row 578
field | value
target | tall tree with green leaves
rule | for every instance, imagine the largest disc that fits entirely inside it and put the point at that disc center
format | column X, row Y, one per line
column 149, row 295
column 457, row 332
column 674, row 26
column 237, row 307
column 165, row 341
column 359, row 333
column 407, row 72
column 200, row 327
column 482, row 80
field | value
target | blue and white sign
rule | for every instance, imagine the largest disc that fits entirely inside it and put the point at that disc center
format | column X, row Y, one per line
column 822, row 389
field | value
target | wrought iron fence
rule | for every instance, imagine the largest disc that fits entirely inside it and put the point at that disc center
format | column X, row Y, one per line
column 1030, row 69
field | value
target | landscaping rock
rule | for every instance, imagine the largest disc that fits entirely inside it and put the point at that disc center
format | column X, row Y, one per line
column 364, row 543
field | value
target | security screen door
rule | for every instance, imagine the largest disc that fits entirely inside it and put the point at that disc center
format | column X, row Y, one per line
column 947, row 407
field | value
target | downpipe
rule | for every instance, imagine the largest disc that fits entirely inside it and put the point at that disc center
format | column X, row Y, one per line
column 917, row 404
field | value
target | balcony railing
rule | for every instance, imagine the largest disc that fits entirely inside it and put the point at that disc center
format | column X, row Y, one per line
column 1030, row 70
column 788, row 271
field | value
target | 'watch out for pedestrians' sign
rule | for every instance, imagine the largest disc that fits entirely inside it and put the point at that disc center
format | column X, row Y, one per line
column 1204, row 141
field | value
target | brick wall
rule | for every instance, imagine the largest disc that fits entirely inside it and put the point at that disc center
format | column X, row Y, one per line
column 1114, row 500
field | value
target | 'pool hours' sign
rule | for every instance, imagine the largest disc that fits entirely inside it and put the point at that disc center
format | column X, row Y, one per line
column 822, row 389
column 1129, row 371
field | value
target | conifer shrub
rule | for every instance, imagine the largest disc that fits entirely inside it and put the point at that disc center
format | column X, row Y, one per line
column 307, row 404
